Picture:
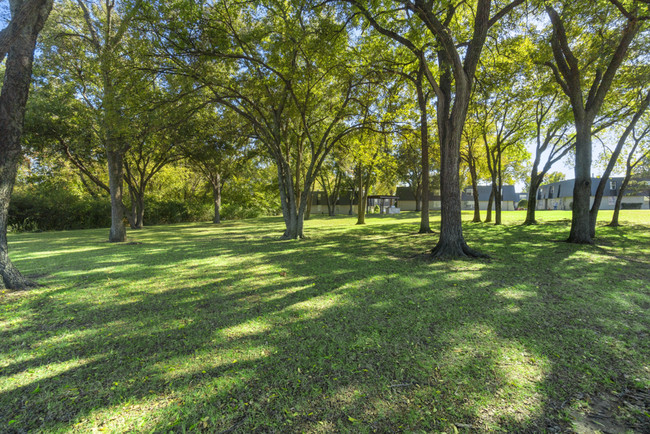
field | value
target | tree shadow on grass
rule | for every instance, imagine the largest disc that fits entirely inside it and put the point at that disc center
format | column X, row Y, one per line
column 336, row 333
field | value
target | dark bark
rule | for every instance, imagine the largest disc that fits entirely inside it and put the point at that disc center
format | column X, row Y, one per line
column 362, row 197
column 216, row 197
column 498, row 197
column 535, row 182
column 308, row 208
column 13, row 98
column 425, row 227
column 115, row 159
column 470, row 159
column 488, row 213
column 619, row 199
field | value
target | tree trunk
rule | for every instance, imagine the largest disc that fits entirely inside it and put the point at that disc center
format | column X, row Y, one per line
column 580, row 224
column 362, row 201
column 417, row 193
column 308, row 208
column 292, row 212
column 216, row 197
column 498, row 196
column 425, row 227
column 451, row 243
column 139, row 223
column 13, row 98
column 488, row 215
column 619, row 198
column 474, row 177
column 116, row 183
column 535, row 182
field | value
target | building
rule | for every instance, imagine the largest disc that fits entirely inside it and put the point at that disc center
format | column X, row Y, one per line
column 509, row 198
column 509, row 201
column 559, row 195
column 407, row 201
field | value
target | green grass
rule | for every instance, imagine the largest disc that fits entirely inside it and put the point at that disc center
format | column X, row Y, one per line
column 213, row 328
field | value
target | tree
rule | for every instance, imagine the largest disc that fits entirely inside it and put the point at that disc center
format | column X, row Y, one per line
column 287, row 70
column 601, row 60
column 17, row 42
column 459, row 31
column 218, row 150
column 551, row 140
column 595, row 207
column 91, row 44
column 471, row 154
column 638, row 156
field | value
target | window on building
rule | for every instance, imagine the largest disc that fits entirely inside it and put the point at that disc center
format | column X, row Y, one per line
column 612, row 185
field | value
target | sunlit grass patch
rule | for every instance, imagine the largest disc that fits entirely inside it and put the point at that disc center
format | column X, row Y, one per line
column 223, row 328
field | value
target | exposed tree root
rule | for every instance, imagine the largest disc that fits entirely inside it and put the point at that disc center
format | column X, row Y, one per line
column 13, row 280
column 426, row 230
column 577, row 240
column 529, row 223
column 447, row 251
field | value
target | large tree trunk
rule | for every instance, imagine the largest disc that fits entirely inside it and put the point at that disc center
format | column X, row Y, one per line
column 425, row 228
column 115, row 159
column 535, row 182
column 580, row 224
column 451, row 243
column 292, row 212
column 13, row 98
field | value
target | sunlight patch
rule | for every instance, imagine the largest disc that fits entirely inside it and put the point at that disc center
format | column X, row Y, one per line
column 314, row 307
column 249, row 328
column 28, row 378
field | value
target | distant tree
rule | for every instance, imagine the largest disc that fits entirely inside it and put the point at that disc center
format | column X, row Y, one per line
column 472, row 153
column 17, row 43
column 218, row 149
column 629, row 129
column 552, row 141
column 638, row 158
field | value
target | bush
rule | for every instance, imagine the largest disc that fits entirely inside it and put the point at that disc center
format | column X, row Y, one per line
column 57, row 211
column 523, row 203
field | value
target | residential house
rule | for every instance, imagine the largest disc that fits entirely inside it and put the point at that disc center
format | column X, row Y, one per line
column 509, row 198
column 559, row 195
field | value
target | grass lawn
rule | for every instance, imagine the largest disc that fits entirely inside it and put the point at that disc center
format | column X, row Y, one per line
column 197, row 327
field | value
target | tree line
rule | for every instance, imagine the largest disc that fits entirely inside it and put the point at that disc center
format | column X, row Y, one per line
column 338, row 96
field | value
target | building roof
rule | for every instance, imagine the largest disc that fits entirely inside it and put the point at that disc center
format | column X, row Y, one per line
column 507, row 191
